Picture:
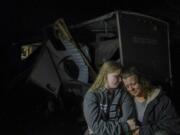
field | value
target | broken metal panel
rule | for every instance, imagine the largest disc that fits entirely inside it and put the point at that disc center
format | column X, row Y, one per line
column 105, row 43
column 119, row 38
column 44, row 74
column 105, row 51
column 73, row 50
column 59, row 57
column 54, row 68
column 145, row 45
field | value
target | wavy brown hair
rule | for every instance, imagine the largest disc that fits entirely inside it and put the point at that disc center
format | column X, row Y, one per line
column 107, row 67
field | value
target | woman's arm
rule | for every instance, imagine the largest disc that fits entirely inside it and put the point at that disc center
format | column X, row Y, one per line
column 94, row 121
column 128, row 111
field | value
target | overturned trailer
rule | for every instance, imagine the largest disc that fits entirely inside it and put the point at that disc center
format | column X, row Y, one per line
column 133, row 39
column 61, row 63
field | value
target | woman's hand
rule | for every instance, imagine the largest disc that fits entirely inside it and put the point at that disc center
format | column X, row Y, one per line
column 136, row 132
column 132, row 124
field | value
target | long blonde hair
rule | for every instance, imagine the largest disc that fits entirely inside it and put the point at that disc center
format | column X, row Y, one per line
column 107, row 67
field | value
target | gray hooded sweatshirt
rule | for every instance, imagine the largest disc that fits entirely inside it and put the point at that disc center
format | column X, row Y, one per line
column 107, row 115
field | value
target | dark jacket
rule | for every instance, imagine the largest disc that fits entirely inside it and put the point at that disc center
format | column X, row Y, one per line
column 160, row 115
column 108, row 116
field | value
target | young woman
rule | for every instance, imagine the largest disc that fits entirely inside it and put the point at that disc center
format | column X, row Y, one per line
column 155, row 112
column 106, row 105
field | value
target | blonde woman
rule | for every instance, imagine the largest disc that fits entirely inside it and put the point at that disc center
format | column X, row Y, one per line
column 155, row 112
column 106, row 105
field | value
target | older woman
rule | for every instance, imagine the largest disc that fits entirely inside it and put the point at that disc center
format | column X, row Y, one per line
column 155, row 112
column 106, row 105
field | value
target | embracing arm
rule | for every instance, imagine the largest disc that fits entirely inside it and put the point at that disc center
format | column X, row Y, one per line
column 128, row 112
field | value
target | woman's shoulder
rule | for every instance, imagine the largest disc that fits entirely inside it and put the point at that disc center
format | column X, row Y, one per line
column 90, row 96
column 92, row 93
column 161, row 96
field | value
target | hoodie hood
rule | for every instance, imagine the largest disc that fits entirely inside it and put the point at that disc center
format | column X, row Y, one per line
column 155, row 93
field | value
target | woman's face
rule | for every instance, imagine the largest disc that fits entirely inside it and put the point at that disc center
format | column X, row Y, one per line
column 132, row 85
column 113, row 80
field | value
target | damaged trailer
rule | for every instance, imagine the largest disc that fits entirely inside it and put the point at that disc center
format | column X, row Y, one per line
column 63, row 69
column 131, row 38
column 61, row 62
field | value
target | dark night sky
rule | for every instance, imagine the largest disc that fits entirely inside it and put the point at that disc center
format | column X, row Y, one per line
column 25, row 19
column 29, row 17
